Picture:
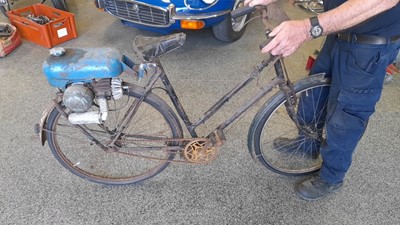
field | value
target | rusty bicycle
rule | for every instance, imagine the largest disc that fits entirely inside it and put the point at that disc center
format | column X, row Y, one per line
column 112, row 132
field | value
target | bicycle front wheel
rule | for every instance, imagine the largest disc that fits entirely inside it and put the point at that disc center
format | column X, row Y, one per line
column 140, row 153
column 273, row 122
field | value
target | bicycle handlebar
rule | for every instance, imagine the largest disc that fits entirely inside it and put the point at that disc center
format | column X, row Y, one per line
column 246, row 10
column 242, row 11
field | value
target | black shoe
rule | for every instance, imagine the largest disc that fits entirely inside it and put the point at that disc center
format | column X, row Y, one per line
column 297, row 146
column 315, row 188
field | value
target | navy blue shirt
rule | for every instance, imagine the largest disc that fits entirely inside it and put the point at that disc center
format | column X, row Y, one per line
column 385, row 24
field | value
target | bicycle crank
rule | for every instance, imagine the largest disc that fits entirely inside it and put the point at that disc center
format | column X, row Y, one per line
column 200, row 151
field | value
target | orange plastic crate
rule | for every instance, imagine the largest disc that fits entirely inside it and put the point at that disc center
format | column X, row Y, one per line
column 60, row 29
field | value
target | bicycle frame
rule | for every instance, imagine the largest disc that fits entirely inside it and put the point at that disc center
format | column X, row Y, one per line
column 159, row 73
column 142, row 134
column 279, row 80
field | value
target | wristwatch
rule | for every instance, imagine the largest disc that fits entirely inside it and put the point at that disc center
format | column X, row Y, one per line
column 316, row 29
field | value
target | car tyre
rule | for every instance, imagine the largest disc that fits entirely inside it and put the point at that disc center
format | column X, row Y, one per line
column 230, row 30
column 60, row 4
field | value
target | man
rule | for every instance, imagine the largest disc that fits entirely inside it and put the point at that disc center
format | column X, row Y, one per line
column 363, row 39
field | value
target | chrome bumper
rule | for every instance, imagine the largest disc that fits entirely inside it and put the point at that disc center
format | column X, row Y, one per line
column 202, row 16
column 150, row 15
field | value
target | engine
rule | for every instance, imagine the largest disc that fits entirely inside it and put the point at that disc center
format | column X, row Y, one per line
column 79, row 98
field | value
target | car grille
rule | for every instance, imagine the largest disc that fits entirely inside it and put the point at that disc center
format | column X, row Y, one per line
column 138, row 12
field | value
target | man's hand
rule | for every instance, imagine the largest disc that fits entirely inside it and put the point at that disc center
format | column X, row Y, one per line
column 287, row 37
column 258, row 2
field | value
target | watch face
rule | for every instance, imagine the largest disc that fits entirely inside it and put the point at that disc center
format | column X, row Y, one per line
column 316, row 31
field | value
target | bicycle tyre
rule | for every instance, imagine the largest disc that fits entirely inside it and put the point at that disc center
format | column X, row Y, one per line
column 86, row 160
column 60, row 4
column 272, row 121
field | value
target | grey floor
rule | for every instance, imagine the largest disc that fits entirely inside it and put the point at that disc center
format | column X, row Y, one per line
column 36, row 189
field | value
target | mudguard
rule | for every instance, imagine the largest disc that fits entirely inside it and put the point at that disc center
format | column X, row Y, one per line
column 43, row 119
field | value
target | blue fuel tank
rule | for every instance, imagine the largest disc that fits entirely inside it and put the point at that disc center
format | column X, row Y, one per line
column 83, row 65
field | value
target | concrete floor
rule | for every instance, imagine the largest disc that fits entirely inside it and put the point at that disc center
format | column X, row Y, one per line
column 35, row 189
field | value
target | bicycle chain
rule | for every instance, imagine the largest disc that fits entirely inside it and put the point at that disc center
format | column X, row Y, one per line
column 182, row 140
column 163, row 140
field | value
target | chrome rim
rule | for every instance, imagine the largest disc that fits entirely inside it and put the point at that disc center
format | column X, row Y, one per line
column 238, row 23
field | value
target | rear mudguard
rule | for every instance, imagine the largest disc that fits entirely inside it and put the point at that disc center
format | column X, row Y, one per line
column 43, row 120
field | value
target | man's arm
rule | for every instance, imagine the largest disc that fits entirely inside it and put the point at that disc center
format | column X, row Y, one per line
column 290, row 35
column 352, row 13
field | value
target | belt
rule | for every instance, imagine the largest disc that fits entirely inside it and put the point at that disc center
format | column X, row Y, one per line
column 367, row 39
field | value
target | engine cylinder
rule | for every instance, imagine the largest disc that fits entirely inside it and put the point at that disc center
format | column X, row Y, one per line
column 78, row 98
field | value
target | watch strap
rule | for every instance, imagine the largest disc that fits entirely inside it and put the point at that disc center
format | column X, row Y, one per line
column 314, row 21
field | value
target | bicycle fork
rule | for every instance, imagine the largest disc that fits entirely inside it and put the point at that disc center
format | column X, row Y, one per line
column 292, row 101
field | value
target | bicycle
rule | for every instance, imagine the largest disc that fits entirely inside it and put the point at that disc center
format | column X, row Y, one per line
column 113, row 132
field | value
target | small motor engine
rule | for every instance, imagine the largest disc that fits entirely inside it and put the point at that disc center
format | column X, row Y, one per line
column 79, row 98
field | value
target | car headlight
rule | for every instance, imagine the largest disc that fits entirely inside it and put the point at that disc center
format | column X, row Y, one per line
column 209, row 2
column 199, row 4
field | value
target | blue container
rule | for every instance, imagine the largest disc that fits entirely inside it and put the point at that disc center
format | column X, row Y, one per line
column 83, row 65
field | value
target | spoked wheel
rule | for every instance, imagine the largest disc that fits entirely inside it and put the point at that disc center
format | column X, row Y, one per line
column 298, row 154
column 141, row 153
column 230, row 30
column 60, row 4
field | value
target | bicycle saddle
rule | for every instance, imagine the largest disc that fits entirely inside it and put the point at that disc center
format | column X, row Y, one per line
column 147, row 48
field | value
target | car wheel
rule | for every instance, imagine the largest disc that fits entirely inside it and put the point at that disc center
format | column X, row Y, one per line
column 230, row 30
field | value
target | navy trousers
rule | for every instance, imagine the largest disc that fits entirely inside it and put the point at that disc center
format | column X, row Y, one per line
column 358, row 71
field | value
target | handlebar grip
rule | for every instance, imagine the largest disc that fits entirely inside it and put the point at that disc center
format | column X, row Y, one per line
column 264, row 43
column 242, row 11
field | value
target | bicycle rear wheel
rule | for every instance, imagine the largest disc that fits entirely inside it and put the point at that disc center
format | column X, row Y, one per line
column 273, row 121
column 141, row 152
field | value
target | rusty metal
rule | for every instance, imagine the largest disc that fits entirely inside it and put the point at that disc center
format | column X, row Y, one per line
column 200, row 151
column 43, row 120
column 135, row 106
column 102, row 87
column 217, row 138
column 195, row 150
column 172, row 149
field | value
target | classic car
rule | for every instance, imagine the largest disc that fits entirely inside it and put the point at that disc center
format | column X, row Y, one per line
column 166, row 16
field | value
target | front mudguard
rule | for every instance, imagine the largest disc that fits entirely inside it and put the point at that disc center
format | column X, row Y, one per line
column 43, row 120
